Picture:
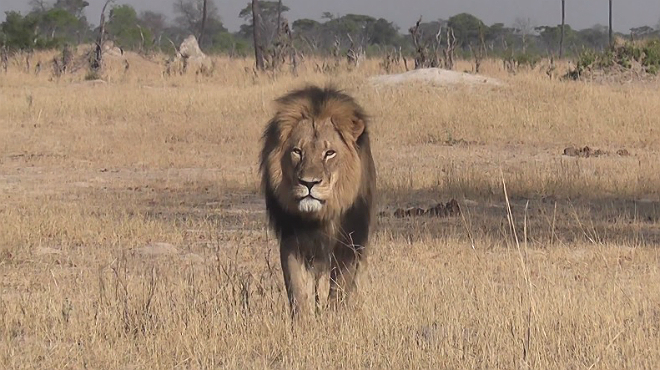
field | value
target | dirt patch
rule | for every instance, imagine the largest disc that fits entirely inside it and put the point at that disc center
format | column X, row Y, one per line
column 193, row 258
column 587, row 152
column 43, row 251
column 434, row 140
column 449, row 209
column 437, row 77
column 158, row 249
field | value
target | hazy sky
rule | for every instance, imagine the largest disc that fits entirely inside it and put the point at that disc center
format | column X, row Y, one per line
column 579, row 13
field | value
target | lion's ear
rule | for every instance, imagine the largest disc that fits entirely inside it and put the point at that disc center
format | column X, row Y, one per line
column 352, row 127
column 358, row 128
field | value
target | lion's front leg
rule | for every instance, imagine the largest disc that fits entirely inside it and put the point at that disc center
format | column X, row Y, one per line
column 299, row 282
column 346, row 266
column 322, row 289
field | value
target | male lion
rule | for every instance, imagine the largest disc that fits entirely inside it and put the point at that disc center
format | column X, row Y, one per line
column 319, row 179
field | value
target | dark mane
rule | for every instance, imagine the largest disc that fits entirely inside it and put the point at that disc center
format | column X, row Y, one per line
column 314, row 101
column 335, row 244
column 316, row 98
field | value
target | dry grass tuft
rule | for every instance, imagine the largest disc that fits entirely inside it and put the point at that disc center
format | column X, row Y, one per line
column 134, row 235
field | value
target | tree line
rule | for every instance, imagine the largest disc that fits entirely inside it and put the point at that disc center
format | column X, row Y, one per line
column 63, row 22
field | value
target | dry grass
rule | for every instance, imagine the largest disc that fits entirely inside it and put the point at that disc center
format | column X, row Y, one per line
column 93, row 176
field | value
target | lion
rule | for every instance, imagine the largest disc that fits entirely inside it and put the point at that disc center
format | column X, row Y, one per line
column 318, row 179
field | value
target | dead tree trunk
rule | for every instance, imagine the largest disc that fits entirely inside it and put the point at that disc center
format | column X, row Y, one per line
column 97, row 61
column 610, row 27
column 563, row 23
column 256, row 32
column 279, row 16
column 354, row 53
column 421, row 50
column 201, row 31
column 449, row 51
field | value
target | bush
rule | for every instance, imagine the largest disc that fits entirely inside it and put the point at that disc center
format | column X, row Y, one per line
column 647, row 55
column 652, row 57
column 527, row 59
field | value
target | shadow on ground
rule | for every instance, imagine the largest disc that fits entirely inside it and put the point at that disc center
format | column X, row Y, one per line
column 547, row 220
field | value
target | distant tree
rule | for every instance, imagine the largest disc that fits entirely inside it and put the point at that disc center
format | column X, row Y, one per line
column 524, row 28
column 363, row 29
column 327, row 16
column 75, row 7
column 62, row 22
column 124, row 29
column 156, row 22
column 359, row 25
column 497, row 32
column 190, row 15
column 228, row 43
column 610, row 36
column 269, row 15
column 305, row 25
column 383, row 32
column 38, row 5
column 563, row 30
column 594, row 37
column 642, row 31
column 429, row 30
column 356, row 26
column 498, row 37
column 551, row 36
column 59, row 24
column 467, row 29
column 20, row 32
column 308, row 31
column 257, row 23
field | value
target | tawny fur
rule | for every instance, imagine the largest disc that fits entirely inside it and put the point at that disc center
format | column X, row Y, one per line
column 330, row 242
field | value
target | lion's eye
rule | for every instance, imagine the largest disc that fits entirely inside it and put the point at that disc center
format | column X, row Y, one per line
column 329, row 154
column 297, row 152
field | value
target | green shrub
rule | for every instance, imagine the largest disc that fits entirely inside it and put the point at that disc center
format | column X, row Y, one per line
column 527, row 59
column 652, row 56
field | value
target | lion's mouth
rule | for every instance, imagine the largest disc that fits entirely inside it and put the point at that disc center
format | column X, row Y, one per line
column 311, row 197
column 310, row 204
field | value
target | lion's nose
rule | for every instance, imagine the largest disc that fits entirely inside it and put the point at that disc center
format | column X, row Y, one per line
column 309, row 182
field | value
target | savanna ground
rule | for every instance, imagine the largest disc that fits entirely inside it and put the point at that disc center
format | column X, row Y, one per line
column 133, row 234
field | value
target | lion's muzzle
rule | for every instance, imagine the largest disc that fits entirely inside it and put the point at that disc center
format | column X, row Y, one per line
column 308, row 195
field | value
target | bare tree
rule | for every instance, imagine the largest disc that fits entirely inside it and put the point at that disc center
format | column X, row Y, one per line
column 480, row 52
column 40, row 5
column 427, row 51
column 563, row 24
column 420, row 47
column 610, row 27
column 204, row 11
column 279, row 16
column 524, row 27
column 354, row 53
column 256, row 33
column 98, row 56
column 449, row 50
column 195, row 15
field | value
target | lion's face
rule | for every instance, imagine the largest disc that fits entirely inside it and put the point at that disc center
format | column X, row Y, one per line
column 318, row 168
column 312, row 163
